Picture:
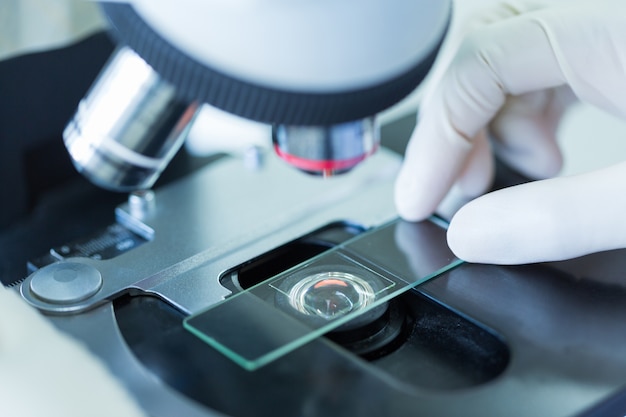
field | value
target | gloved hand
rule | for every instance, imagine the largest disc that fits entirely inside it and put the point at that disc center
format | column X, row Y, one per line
column 515, row 77
column 45, row 373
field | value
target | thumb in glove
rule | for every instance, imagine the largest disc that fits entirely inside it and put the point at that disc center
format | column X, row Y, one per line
column 516, row 75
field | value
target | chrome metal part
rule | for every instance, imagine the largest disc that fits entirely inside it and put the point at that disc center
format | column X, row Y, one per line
column 65, row 282
column 327, row 150
column 141, row 203
column 129, row 126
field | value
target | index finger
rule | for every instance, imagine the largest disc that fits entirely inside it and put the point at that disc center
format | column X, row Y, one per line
column 514, row 56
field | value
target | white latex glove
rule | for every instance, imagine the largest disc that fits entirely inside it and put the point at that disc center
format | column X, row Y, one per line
column 44, row 373
column 515, row 76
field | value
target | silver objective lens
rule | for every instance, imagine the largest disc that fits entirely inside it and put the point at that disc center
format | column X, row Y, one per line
column 128, row 127
column 331, row 294
column 327, row 150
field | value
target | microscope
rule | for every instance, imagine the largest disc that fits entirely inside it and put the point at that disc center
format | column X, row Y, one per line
column 270, row 292
column 318, row 72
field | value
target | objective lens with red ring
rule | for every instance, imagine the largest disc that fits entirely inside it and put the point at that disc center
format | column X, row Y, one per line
column 327, row 150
